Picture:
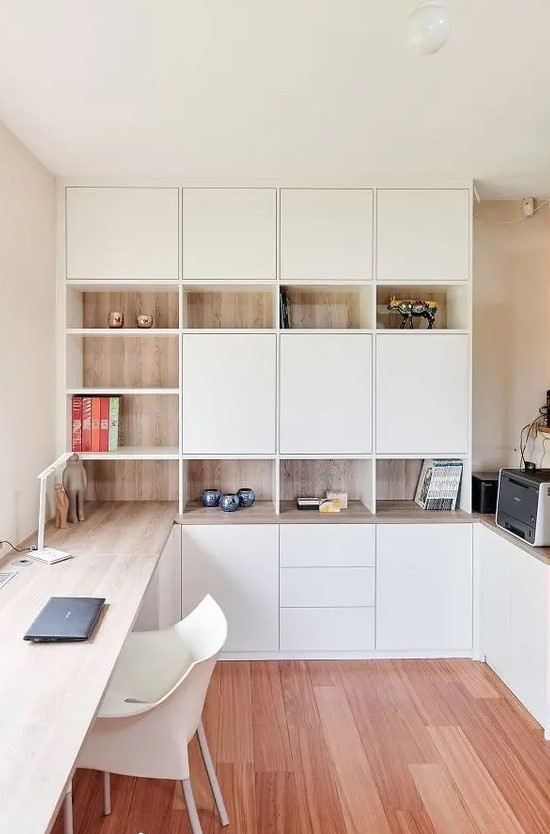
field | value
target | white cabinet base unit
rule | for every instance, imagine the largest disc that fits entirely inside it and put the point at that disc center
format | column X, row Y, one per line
column 424, row 587
column 239, row 566
column 515, row 614
column 305, row 631
column 161, row 606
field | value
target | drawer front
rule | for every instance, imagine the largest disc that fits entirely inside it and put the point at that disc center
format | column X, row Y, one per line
column 326, row 629
column 326, row 587
column 327, row 545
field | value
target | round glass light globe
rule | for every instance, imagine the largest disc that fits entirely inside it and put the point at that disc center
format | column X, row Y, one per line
column 429, row 27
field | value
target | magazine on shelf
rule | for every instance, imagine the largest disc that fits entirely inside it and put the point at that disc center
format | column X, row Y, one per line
column 439, row 484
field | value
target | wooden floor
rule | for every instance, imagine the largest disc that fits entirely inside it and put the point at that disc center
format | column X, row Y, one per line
column 358, row 747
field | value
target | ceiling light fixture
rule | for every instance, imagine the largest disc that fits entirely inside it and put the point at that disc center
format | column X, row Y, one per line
column 429, row 26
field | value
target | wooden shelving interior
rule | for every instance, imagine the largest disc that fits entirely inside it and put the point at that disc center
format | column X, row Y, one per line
column 328, row 307
column 132, row 480
column 312, row 478
column 232, row 308
column 229, row 475
column 452, row 313
column 396, row 483
column 128, row 362
column 91, row 309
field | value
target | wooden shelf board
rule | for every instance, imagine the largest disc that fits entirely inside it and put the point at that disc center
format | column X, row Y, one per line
column 122, row 331
column 213, row 331
column 356, row 513
column 261, row 512
column 326, row 331
column 135, row 453
column 96, row 392
column 408, row 512
column 132, row 284
column 418, row 330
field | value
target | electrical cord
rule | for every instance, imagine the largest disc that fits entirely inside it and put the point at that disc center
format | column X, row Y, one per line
column 542, row 415
column 13, row 547
column 511, row 222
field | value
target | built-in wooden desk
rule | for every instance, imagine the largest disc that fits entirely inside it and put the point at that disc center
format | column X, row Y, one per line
column 50, row 693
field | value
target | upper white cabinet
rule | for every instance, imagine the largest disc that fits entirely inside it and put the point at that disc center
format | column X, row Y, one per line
column 326, row 234
column 238, row 566
column 229, row 384
column 121, row 233
column 422, row 394
column 424, row 587
column 325, row 390
column 229, row 233
column 423, row 234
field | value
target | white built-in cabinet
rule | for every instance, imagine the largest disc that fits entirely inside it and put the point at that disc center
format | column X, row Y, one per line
column 422, row 394
column 229, row 393
column 424, row 587
column 121, row 233
column 229, row 233
column 423, row 234
column 515, row 631
column 326, row 233
column 239, row 566
column 322, row 409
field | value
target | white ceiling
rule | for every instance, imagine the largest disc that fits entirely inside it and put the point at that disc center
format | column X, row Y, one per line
column 248, row 92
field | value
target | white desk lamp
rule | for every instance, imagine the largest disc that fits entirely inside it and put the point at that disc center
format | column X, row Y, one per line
column 50, row 555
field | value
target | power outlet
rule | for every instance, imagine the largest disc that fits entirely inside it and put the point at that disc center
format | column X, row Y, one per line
column 528, row 206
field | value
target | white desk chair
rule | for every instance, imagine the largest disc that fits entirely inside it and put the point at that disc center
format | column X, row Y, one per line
column 153, row 705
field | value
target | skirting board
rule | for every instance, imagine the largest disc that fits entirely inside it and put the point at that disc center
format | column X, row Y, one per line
column 374, row 655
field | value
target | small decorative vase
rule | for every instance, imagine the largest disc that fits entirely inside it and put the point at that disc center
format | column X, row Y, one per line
column 247, row 496
column 116, row 319
column 144, row 321
column 229, row 503
column 210, row 498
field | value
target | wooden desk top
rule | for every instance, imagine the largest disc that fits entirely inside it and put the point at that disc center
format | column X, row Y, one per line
column 50, row 692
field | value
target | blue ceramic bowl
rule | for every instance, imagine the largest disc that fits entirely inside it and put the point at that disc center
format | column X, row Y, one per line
column 247, row 496
column 210, row 498
column 229, row 503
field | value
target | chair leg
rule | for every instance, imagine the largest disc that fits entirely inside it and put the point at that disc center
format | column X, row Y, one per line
column 211, row 771
column 191, row 807
column 68, row 810
column 106, row 793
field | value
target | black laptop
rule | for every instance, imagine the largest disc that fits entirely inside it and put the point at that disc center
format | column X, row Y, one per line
column 66, row 620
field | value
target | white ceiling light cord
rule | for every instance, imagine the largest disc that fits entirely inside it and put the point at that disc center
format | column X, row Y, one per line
column 511, row 222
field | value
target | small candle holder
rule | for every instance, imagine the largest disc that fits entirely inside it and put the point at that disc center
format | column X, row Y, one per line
column 144, row 321
column 116, row 319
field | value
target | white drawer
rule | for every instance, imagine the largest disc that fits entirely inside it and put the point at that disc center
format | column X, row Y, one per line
column 327, row 545
column 326, row 587
column 326, row 629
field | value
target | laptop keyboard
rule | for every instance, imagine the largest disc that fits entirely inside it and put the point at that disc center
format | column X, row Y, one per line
column 5, row 578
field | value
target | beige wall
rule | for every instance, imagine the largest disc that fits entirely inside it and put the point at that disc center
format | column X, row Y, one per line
column 27, row 333
column 511, row 330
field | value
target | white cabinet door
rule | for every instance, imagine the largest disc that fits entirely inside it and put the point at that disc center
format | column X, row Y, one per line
column 424, row 587
column 325, row 388
column 238, row 566
column 326, row 233
column 326, row 587
column 161, row 606
column 422, row 394
column 423, row 234
column 515, row 619
column 229, row 385
column 327, row 629
column 122, row 233
column 327, row 545
column 229, row 233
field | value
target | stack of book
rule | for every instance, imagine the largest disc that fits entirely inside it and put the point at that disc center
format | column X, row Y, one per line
column 284, row 310
column 95, row 423
column 439, row 484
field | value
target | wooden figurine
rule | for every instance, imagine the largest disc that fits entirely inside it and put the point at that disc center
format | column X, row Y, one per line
column 414, row 308
column 61, row 507
column 74, row 484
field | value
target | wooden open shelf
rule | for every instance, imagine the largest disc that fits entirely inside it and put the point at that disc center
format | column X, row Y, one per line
column 328, row 308
column 90, row 309
column 132, row 480
column 131, row 362
column 211, row 308
column 313, row 477
column 452, row 313
column 229, row 475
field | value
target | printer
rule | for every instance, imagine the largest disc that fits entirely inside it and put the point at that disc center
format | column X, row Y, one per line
column 523, row 504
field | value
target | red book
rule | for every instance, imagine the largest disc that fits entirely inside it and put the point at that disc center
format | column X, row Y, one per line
column 104, row 424
column 96, row 422
column 86, row 424
column 77, row 423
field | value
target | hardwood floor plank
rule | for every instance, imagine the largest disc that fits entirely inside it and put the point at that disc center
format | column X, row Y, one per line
column 277, row 804
column 319, row 810
column 420, row 679
column 410, row 822
column 268, row 704
column 473, row 676
column 238, row 785
column 235, row 737
column 272, row 751
column 323, row 673
column 478, row 791
column 300, row 706
column 363, row 809
column 442, row 800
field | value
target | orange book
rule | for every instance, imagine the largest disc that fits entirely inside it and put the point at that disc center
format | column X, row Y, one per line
column 77, row 423
column 96, row 422
column 104, row 424
column 86, row 424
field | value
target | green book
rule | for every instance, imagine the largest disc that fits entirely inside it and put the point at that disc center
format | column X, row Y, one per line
column 114, row 414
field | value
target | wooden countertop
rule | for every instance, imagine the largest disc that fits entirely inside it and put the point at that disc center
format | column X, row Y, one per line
column 50, row 692
column 540, row 553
